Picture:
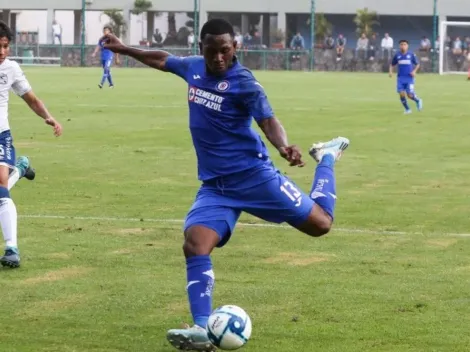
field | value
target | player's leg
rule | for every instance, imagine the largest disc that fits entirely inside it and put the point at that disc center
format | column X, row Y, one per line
column 21, row 169
column 401, row 90
column 410, row 91
column 105, row 73
column 110, row 78
column 208, row 224
column 8, row 215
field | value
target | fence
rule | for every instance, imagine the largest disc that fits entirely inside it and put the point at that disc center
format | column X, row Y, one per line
column 325, row 59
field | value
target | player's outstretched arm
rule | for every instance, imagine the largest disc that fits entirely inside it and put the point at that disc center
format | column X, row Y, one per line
column 40, row 109
column 152, row 58
column 276, row 134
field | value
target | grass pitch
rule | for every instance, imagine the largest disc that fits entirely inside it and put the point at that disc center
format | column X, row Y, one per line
column 393, row 276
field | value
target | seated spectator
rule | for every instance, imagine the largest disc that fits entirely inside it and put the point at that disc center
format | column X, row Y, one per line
column 373, row 46
column 239, row 40
column 425, row 44
column 448, row 43
column 297, row 44
column 329, row 43
column 457, row 46
column 362, row 46
column 247, row 38
column 340, row 45
column 387, row 46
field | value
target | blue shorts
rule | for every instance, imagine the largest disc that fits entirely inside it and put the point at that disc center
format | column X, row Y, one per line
column 107, row 63
column 7, row 150
column 262, row 191
column 406, row 86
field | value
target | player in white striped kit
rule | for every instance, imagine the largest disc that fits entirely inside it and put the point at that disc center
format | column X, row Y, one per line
column 13, row 78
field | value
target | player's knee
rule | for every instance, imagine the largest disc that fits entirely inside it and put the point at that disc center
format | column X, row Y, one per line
column 199, row 240
column 320, row 228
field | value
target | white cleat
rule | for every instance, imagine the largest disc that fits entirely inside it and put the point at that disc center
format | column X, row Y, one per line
column 190, row 339
column 407, row 112
column 335, row 147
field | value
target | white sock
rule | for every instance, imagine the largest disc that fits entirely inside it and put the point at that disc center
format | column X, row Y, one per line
column 8, row 222
column 13, row 178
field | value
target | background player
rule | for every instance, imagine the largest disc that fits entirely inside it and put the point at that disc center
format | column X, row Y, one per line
column 233, row 163
column 408, row 66
column 11, row 76
column 106, row 59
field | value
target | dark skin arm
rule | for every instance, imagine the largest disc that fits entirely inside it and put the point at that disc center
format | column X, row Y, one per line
column 152, row 58
column 276, row 134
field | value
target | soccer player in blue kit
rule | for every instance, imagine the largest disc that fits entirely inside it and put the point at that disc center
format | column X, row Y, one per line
column 233, row 164
column 408, row 66
column 107, row 57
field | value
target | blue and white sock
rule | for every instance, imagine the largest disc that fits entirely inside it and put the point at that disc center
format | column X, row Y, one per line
column 201, row 281
column 324, row 185
column 404, row 102
column 415, row 98
column 8, row 218
column 105, row 76
column 110, row 78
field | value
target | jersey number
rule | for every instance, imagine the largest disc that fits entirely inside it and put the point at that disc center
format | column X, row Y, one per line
column 292, row 193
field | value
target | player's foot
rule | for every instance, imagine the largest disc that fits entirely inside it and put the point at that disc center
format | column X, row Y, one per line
column 24, row 166
column 335, row 147
column 11, row 258
column 190, row 339
column 111, row 86
column 419, row 104
column 407, row 112
column 100, row 86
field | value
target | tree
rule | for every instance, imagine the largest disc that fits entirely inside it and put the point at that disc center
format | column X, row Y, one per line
column 365, row 21
column 323, row 28
column 141, row 6
column 116, row 22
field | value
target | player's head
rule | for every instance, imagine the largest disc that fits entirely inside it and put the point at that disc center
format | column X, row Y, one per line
column 107, row 30
column 218, row 45
column 404, row 45
column 6, row 36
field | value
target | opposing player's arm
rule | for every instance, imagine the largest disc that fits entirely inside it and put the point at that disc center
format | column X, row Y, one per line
column 416, row 64
column 259, row 107
column 22, row 88
column 96, row 50
column 392, row 65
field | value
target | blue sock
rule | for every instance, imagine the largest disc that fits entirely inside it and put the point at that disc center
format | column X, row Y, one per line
column 415, row 98
column 110, row 79
column 105, row 75
column 324, row 185
column 404, row 102
column 200, row 285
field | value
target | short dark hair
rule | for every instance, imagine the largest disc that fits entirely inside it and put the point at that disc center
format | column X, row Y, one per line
column 108, row 27
column 217, row 26
column 5, row 31
column 403, row 41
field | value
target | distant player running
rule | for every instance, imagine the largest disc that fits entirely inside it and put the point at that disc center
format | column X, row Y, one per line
column 408, row 66
column 236, row 171
column 12, row 77
column 107, row 57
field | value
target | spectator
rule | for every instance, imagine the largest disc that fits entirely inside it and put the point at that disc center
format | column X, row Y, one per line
column 448, row 43
column 373, row 45
column 387, row 46
column 239, row 40
column 329, row 42
column 466, row 46
column 191, row 40
column 257, row 40
column 297, row 44
column 340, row 45
column 437, row 44
column 157, row 36
column 56, row 32
column 247, row 38
column 362, row 46
column 425, row 44
column 457, row 47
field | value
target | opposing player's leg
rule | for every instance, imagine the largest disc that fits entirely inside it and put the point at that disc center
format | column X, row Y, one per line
column 21, row 169
column 105, row 73
column 410, row 91
column 401, row 90
column 209, row 224
column 110, row 78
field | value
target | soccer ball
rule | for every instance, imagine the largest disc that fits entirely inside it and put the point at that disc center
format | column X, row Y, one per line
column 229, row 328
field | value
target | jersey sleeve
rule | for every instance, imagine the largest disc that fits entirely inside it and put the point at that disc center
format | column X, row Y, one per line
column 394, row 60
column 414, row 60
column 179, row 65
column 20, row 85
column 256, row 100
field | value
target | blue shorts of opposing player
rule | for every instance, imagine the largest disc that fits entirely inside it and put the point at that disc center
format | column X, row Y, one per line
column 407, row 86
column 7, row 150
column 263, row 192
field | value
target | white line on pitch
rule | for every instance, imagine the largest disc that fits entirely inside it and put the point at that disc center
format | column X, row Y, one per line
column 258, row 225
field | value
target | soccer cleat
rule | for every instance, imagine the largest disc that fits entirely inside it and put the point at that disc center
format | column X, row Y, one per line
column 100, row 86
column 190, row 339
column 111, row 86
column 335, row 147
column 407, row 112
column 419, row 104
column 25, row 169
column 11, row 258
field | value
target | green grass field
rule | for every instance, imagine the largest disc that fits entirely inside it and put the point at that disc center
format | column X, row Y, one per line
column 393, row 275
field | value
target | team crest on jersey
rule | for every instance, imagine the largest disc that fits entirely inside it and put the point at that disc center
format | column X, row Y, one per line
column 3, row 78
column 222, row 86
column 408, row 56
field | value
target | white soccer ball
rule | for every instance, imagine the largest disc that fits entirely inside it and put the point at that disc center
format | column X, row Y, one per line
column 229, row 328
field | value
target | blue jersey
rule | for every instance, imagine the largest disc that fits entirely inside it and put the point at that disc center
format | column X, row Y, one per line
column 406, row 64
column 106, row 54
column 221, row 110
